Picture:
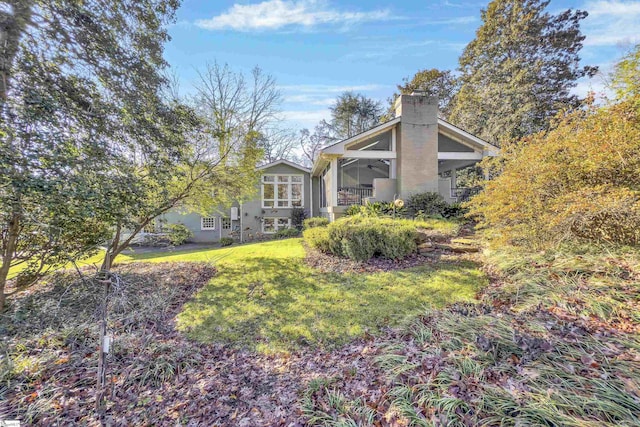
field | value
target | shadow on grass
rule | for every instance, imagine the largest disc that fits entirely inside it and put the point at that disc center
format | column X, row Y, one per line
column 278, row 304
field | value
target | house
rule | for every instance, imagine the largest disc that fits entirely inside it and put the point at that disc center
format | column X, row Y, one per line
column 415, row 152
column 283, row 186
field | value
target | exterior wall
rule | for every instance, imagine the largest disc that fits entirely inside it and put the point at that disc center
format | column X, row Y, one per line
column 384, row 189
column 251, row 212
column 417, row 144
column 446, row 144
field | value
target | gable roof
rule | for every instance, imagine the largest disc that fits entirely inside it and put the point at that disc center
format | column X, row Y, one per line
column 444, row 127
column 284, row 162
column 338, row 147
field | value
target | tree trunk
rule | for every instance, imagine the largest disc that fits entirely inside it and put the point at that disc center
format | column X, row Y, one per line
column 8, row 253
column 12, row 27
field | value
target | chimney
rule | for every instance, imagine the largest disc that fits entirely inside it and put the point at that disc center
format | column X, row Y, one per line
column 417, row 144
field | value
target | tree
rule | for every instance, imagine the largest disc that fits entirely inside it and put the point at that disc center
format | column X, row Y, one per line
column 78, row 107
column 626, row 77
column 518, row 72
column 233, row 107
column 431, row 82
column 312, row 143
column 277, row 143
column 353, row 113
column 224, row 133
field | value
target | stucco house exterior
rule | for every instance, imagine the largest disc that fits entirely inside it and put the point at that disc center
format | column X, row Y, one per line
column 415, row 152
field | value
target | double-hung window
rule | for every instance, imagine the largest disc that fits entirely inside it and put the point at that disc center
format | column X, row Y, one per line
column 282, row 191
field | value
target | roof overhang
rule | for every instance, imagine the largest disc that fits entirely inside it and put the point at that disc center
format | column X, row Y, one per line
column 284, row 162
column 338, row 149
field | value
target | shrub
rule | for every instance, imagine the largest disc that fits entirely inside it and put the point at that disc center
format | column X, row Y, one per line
column 360, row 238
column 315, row 222
column 298, row 216
column 426, row 204
column 178, row 233
column 354, row 210
column 317, row 237
column 226, row 241
column 454, row 210
column 376, row 209
column 577, row 182
column 285, row 233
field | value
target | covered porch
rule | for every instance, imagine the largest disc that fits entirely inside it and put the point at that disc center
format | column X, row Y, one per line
column 362, row 171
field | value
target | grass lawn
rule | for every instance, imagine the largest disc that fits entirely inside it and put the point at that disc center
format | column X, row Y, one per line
column 265, row 298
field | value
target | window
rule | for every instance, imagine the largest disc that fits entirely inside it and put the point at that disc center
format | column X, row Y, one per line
column 282, row 191
column 226, row 223
column 208, row 223
column 271, row 225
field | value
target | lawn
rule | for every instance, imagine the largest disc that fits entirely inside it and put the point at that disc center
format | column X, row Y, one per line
column 265, row 298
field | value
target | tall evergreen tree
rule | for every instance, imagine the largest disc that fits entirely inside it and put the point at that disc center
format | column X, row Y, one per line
column 353, row 113
column 519, row 70
column 431, row 82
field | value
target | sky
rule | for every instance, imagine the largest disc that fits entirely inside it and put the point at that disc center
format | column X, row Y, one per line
column 317, row 49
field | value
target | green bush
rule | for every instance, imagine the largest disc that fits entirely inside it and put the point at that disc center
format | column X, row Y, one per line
column 178, row 233
column 226, row 241
column 285, row 233
column 376, row 209
column 454, row 210
column 317, row 237
column 360, row 238
column 315, row 222
column 426, row 204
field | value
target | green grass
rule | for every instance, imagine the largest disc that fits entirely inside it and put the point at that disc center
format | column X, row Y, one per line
column 265, row 298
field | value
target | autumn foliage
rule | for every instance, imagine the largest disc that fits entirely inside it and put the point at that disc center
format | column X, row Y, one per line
column 579, row 181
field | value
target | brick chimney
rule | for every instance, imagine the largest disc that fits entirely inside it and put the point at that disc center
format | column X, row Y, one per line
column 417, row 144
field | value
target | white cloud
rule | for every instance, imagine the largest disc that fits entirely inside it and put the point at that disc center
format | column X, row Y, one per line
column 277, row 14
column 611, row 22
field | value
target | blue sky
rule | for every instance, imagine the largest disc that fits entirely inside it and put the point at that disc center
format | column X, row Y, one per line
column 317, row 49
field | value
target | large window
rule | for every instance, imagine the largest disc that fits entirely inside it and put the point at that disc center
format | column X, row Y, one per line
column 271, row 225
column 282, row 191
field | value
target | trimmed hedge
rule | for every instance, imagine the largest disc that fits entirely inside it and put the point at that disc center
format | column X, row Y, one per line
column 315, row 222
column 361, row 238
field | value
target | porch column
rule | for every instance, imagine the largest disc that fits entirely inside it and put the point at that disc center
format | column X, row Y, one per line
column 334, row 182
column 454, row 178
column 393, row 162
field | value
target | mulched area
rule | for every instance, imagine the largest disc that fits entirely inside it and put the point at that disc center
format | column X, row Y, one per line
column 333, row 264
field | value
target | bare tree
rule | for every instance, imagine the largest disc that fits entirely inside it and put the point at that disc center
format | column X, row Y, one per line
column 277, row 143
column 312, row 143
column 236, row 109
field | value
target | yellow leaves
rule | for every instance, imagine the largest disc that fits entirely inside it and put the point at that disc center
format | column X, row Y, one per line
column 580, row 180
